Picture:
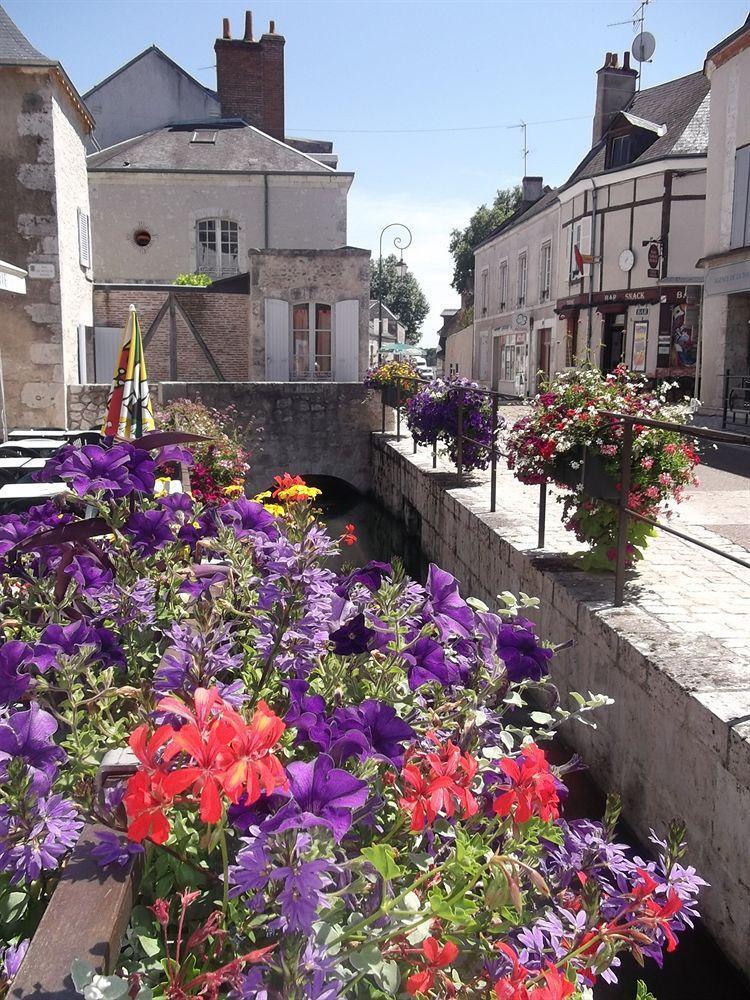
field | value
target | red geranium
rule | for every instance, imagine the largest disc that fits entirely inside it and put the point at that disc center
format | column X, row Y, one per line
column 439, row 783
column 532, row 790
column 436, row 957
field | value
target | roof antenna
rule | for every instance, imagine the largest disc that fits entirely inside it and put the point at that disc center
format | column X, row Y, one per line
column 524, row 148
column 644, row 43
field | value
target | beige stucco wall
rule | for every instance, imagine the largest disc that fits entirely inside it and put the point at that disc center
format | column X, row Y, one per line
column 459, row 352
column 43, row 182
column 305, row 212
column 528, row 236
column 307, row 276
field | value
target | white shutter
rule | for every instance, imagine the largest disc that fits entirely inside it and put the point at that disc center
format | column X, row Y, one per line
column 740, row 201
column 571, row 258
column 346, row 341
column 585, row 244
column 84, row 239
column 277, row 340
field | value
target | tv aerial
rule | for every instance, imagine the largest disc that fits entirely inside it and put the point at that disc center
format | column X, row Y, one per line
column 644, row 45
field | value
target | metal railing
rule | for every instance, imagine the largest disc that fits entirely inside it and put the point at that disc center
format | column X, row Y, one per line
column 625, row 513
column 736, row 390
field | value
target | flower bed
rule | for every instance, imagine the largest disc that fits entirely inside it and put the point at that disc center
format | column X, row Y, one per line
column 339, row 785
column 548, row 446
column 432, row 417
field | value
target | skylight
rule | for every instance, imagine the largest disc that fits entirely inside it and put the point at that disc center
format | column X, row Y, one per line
column 205, row 135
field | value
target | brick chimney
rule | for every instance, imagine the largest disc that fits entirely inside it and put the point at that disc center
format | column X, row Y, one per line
column 250, row 77
column 615, row 88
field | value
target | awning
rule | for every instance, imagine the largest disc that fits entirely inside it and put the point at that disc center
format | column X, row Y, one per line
column 607, row 308
column 12, row 278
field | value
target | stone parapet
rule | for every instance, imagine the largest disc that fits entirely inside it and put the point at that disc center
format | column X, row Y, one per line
column 676, row 742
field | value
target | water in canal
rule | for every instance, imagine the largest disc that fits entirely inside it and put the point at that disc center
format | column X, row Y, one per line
column 697, row 970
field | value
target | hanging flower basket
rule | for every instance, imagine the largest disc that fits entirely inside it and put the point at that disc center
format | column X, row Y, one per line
column 567, row 469
column 598, row 481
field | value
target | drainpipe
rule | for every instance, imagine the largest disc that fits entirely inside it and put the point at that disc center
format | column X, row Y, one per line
column 589, row 331
column 266, row 211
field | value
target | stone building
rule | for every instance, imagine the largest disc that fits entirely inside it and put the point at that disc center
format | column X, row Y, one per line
column 514, row 294
column 726, row 305
column 44, row 229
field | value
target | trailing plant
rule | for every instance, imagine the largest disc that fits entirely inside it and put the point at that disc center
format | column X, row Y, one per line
column 566, row 417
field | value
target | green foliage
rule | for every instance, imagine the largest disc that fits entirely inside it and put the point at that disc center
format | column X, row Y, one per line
column 402, row 295
column 484, row 221
column 642, row 992
column 201, row 280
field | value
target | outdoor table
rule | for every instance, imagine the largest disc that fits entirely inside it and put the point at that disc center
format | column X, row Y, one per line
column 41, row 445
column 50, row 432
column 28, row 464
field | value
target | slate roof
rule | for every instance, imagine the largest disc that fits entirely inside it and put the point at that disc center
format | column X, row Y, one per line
column 16, row 49
column 522, row 214
column 237, row 146
column 680, row 105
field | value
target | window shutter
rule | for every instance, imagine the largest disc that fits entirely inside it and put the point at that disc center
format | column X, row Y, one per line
column 84, row 239
column 585, row 246
column 346, row 341
column 741, row 199
column 277, row 340
column 571, row 259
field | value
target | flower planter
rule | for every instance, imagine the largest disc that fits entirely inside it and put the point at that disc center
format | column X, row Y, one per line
column 598, row 482
column 390, row 396
column 561, row 468
column 86, row 918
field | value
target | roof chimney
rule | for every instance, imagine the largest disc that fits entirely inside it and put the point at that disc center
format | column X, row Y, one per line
column 615, row 88
column 250, row 78
column 532, row 189
column 226, row 29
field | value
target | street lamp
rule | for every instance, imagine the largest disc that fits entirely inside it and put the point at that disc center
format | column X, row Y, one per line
column 401, row 267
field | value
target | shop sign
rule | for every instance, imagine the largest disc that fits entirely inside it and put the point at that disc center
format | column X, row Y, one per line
column 728, row 278
column 46, row 271
column 642, row 310
column 521, row 319
column 654, row 255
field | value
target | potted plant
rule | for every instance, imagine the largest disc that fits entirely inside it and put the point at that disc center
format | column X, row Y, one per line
column 567, row 440
column 432, row 415
column 397, row 380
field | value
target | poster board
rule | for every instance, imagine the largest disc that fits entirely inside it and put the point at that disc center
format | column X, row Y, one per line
column 640, row 345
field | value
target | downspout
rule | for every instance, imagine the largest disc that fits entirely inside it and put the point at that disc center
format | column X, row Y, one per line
column 266, row 212
column 589, row 331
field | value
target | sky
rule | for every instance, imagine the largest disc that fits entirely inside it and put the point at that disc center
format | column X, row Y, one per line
column 422, row 99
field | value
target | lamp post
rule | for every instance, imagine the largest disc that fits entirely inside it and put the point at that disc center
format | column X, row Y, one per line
column 399, row 244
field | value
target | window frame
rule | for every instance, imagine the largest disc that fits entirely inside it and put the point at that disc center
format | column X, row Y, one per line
column 522, row 287
column 545, row 273
column 226, row 264
column 739, row 233
column 484, row 288
column 502, row 284
column 312, row 329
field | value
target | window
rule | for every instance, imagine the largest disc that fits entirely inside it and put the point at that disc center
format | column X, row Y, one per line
column 503, row 285
column 217, row 247
column 740, row 235
column 508, row 369
column 485, row 280
column 545, row 271
column 84, row 239
column 204, row 135
column 619, row 151
column 521, row 283
column 312, row 341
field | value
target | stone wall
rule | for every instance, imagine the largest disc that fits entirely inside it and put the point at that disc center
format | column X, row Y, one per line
column 676, row 742
column 220, row 318
column 86, row 405
column 299, row 427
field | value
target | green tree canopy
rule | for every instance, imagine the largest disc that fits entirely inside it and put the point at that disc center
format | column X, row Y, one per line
column 403, row 296
column 481, row 224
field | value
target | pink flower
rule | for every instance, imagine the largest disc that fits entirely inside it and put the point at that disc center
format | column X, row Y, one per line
column 665, row 479
column 647, row 462
column 609, row 449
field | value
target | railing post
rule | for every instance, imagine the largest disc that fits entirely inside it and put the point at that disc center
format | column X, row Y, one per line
column 434, row 454
column 493, row 462
column 382, row 406
column 725, row 401
column 460, row 435
column 623, row 519
column 398, row 410
column 542, row 515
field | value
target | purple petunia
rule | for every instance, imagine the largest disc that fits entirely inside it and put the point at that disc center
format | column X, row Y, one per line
column 149, row 530
column 27, row 736
column 244, row 516
column 446, row 607
column 118, row 470
column 370, row 576
column 14, row 681
column 355, row 637
column 11, row 958
column 524, row 656
column 67, row 640
column 427, row 664
column 371, row 729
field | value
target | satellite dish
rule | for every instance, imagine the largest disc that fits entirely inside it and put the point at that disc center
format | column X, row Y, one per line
column 643, row 47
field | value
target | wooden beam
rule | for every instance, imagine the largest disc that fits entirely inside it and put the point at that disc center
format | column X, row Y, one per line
column 201, row 342
column 157, row 320
column 172, row 339
column 86, row 918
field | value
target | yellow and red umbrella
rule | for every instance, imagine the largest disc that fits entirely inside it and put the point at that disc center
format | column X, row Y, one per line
column 129, row 412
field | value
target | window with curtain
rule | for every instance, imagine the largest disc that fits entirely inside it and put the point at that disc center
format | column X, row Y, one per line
column 323, row 341
column 301, row 341
column 217, row 247
column 312, row 341
column 545, row 271
column 521, row 279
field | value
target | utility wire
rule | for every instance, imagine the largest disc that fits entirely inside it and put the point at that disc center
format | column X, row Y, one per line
column 419, row 131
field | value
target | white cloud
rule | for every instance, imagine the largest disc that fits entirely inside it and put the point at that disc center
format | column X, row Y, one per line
column 431, row 223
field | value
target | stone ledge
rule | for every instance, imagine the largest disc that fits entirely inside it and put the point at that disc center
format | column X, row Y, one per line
column 677, row 740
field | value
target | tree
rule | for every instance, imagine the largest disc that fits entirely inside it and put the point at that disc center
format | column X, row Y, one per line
column 403, row 296
column 484, row 221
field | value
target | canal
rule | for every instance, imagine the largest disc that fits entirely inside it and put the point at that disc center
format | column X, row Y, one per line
column 697, row 970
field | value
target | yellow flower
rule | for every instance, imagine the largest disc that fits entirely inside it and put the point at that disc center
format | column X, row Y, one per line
column 260, row 497
column 275, row 509
column 234, row 490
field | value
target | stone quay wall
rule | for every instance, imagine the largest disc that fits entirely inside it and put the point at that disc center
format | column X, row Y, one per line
column 676, row 742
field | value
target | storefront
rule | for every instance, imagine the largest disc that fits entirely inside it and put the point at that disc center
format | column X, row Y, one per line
column 510, row 352
column 651, row 330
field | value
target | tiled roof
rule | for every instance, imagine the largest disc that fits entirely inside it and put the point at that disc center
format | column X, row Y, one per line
column 236, row 146
column 16, row 49
column 680, row 105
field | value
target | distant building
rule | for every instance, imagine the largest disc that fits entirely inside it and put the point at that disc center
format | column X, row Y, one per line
column 452, row 322
column 726, row 305
column 44, row 229
column 394, row 331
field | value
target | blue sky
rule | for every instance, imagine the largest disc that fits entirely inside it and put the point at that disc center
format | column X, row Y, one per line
column 355, row 70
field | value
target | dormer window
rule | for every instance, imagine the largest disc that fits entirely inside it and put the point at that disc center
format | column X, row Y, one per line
column 628, row 138
column 619, row 151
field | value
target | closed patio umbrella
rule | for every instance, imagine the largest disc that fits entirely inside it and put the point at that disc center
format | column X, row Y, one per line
column 129, row 412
